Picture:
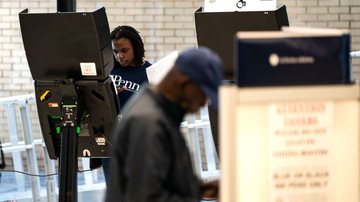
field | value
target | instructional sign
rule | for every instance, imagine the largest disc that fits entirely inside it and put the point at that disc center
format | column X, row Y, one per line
column 300, row 151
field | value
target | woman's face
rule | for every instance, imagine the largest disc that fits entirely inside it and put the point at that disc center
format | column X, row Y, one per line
column 124, row 52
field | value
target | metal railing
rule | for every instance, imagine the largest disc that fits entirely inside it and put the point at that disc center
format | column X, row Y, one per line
column 17, row 108
column 201, row 144
column 15, row 146
column 355, row 54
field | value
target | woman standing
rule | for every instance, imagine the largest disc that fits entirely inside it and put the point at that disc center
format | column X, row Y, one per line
column 130, row 66
column 129, row 70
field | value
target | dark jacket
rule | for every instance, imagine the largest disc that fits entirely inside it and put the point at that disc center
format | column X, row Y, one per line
column 150, row 159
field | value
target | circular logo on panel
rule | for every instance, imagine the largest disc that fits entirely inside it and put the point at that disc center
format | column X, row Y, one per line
column 274, row 60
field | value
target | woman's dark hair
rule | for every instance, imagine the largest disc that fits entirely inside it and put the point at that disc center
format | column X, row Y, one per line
column 135, row 39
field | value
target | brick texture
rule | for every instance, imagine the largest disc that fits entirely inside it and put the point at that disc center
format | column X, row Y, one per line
column 165, row 25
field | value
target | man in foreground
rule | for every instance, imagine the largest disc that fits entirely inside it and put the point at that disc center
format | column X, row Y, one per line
column 150, row 159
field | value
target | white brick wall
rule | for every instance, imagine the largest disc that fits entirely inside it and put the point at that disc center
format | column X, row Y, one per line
column 165, row 25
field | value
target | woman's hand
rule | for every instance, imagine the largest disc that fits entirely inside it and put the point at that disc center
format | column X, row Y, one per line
column 121, row 89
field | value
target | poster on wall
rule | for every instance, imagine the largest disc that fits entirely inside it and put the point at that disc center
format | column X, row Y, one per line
column 239, row 5
column 301, row 152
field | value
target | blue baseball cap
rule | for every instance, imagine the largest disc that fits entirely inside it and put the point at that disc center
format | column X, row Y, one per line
column 204, row 67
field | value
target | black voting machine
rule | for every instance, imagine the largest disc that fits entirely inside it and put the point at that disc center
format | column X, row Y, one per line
column 70, row 58
column 216, row 30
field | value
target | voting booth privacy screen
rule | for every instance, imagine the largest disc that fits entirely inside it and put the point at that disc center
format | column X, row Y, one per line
column 67, row 45
column 216, row 30
column 70, row 58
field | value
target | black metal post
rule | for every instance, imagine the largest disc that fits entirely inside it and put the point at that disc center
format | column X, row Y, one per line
column 66, row 5
column 69, row 145
column 68, row 165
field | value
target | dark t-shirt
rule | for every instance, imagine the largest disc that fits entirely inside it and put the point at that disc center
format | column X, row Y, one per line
column 131, row 77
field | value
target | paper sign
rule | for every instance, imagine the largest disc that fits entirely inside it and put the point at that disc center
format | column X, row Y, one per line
column 239, row 5
column 88, row 68
column 301, row 151
column 159, row 69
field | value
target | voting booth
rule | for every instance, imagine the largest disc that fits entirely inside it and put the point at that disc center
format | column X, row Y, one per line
column 70, row 59
column 286, row 136
column 297, row 143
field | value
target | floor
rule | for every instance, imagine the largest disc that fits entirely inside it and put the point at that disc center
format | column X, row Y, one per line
column 9, row 192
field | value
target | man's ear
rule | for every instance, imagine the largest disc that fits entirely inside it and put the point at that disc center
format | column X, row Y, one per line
column 183, row 80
